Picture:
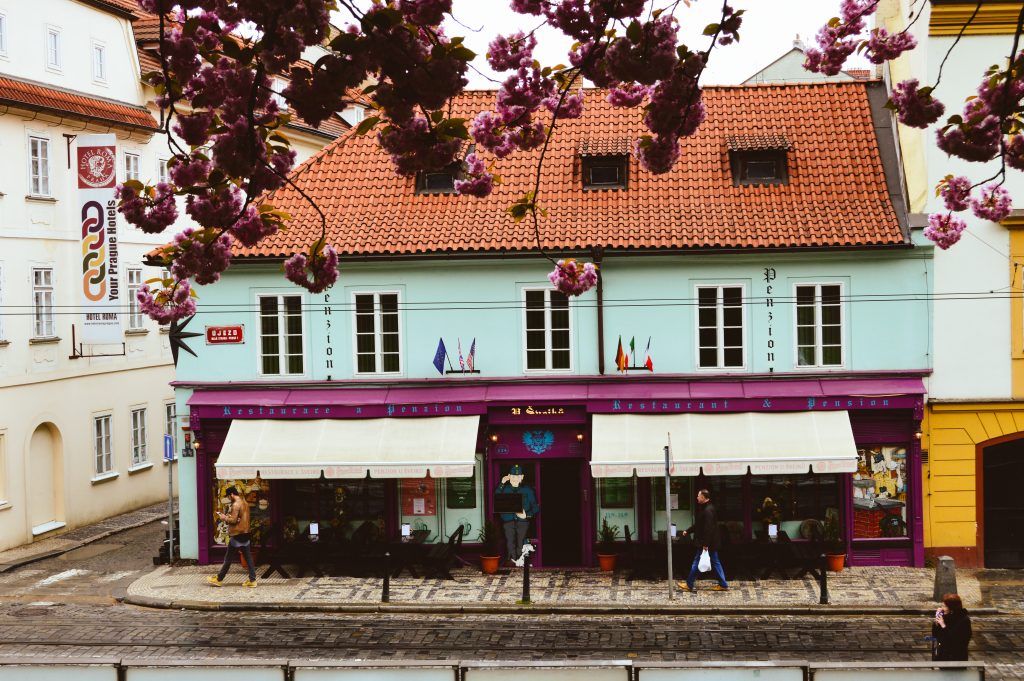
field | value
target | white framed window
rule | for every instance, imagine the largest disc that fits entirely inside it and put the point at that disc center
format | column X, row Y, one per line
column 99, row 62
column 171, row 424
column 54, row 59
column 720, row 332
column 42, row 303
column 3, row 34
column 819, row 325
column 548, row 329
column 354, row 114
column 135, row 316
column 139, row 452
column 102, row 444
column 378, row 333
column 162, row 174
column 3, row 467
column 281, row 342
column 38, row 166
column 277, row 86
column 132, row 163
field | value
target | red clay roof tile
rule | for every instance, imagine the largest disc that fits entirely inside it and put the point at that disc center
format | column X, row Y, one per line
column 757, row 142
column 836, row 195
column 36, row 97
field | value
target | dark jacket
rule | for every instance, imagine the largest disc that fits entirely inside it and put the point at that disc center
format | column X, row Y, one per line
column 705, row 527
column 954, row 637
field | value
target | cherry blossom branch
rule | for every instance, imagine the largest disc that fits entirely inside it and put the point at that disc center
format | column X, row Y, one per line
column 938, row 77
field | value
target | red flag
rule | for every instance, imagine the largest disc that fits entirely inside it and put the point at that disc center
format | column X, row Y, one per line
column 649, row 363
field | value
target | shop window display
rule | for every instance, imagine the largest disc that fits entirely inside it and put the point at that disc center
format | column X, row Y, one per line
column 681, row 498
column 880, row 493
column 796, row 504
column 617, row 504
column 257, row 495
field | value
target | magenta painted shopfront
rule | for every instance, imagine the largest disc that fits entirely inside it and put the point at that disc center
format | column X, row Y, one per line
column 546, row 427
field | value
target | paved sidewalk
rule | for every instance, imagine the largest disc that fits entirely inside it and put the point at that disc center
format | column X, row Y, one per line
column 69, row 541
column 855, row 590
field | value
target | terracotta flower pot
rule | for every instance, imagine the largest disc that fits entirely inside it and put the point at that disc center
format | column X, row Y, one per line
column 606, row 561
column 835, row 561
column 489, row 564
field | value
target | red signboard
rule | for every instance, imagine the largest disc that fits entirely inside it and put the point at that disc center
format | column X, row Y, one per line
column 221, row 335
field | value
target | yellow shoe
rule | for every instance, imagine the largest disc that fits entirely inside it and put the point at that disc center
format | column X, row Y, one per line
column 719, row 587
column 214, row 581
column 684, row 586
column 249, row 583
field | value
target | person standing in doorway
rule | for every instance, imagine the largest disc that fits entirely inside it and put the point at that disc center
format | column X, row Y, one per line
column 705, row 531
column 237, row 520
column 952, row 630
column 517, row 525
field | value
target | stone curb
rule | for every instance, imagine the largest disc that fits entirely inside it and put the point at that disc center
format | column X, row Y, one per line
column 438, row 609
column 36, row 557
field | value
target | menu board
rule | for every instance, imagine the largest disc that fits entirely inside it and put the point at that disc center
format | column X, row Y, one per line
column 419, row 496
column 460, row 492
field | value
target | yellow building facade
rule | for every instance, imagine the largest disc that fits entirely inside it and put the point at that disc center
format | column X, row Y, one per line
column 973, row 430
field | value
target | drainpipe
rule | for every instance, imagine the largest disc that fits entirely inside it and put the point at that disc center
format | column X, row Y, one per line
column 600, row 310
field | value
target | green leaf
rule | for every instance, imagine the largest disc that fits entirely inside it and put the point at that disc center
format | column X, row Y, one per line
column 462, row 53
column 833, row 22
column 436, row 116
column 367, row 124
column 518, row 211
column 635, row 32
column 657, row 13
column 453, row 127
column 711, row 29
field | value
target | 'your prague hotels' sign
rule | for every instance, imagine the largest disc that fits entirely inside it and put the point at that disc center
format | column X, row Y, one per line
column 99, row 282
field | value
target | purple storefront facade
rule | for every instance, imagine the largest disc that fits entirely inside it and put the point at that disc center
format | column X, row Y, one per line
column 545, row 427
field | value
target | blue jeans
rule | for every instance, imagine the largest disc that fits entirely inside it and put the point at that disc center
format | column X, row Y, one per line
column 234, row 546
column 716, row 567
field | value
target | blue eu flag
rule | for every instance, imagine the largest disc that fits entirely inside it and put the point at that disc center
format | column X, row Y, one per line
column 440, row 356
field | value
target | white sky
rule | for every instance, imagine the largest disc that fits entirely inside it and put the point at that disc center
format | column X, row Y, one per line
column 769, row 27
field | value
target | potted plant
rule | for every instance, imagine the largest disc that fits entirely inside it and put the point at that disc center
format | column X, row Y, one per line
column 491, row 548
column 835, row 547
column 606, row 537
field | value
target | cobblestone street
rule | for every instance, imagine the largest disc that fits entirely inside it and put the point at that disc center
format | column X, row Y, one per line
column 67, row 606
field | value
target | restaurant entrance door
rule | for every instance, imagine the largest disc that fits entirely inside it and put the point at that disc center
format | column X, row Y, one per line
column 561, row 519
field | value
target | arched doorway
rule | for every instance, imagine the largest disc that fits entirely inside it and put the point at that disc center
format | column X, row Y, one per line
column 45, row 479
column 1002, row 508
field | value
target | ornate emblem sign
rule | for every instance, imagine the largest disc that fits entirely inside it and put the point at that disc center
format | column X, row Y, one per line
column 96, row 166
column 538, row 441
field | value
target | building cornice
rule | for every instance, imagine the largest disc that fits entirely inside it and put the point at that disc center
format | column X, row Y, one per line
column 993, row 18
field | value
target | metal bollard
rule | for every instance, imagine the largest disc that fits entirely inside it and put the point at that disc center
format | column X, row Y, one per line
column 823, row 580
column 385, row 596
column 526, row 577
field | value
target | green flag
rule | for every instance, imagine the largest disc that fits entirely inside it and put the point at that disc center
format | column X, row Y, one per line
column 632, row 345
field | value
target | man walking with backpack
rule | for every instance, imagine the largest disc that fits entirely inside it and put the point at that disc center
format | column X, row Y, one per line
column 705, row 531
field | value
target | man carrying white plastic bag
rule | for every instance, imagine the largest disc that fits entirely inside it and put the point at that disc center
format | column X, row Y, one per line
column 705, row 530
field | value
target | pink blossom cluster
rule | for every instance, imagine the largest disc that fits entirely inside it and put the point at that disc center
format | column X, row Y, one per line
column 153, row 209
column 476, row 181
column 200, row 254
column 994, row 203
column 315, row 272
column 915, row 107
column 944, row 229
column 167, row 304
column 955, row 192
column 841, row 37
column 573, row 279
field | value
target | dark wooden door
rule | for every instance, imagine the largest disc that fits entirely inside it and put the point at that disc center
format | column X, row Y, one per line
column 1003, row 466
column 561, row 527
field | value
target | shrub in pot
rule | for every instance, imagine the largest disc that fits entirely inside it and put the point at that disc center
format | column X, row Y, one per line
column 606, row 553
column 835, row 547
column 491, row 547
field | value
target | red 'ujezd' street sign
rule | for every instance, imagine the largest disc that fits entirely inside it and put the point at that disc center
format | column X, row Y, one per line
column 221, row 335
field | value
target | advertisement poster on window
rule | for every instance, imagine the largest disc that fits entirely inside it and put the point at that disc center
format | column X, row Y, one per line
column 419, row 497
column 99, row 280
column 460, row 492
column 880, row 493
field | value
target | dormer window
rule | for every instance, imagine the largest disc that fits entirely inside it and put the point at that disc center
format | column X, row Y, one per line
column 438, row 181
column 758, row 159
column 605, row 163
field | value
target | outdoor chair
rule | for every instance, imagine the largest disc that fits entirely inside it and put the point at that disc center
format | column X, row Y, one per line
column 440, row 560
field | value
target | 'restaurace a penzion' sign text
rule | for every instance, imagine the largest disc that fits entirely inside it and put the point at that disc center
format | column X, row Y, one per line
column 99, row 279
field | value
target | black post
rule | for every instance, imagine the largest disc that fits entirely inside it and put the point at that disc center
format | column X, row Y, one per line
column 526, row 576
column 823, row 580
column 385, row 596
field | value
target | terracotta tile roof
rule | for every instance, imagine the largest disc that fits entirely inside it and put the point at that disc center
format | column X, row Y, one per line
column 859, row 74
column 605, row 146
column 36, row 97
column 118, row 6
column 836, row 194
column 757, row 142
